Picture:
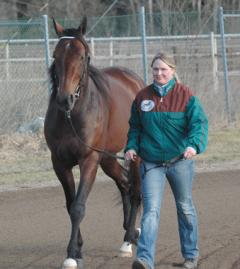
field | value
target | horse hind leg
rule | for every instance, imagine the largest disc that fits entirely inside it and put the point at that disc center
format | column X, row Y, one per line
column 113, row 169
column 133, row 234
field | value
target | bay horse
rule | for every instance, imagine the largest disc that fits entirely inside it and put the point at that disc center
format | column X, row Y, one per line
column 86, row 124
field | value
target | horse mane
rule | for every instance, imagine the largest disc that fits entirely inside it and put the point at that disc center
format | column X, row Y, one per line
column 75, row 33
column 53, row 80
column 99, row 80
column 71, row 32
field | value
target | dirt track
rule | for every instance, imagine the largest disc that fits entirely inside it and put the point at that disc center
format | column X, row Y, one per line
column 35, row 226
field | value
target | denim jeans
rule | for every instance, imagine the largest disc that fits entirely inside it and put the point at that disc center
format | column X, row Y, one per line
column 180, row 177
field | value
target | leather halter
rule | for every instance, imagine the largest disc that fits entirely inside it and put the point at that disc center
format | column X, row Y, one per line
column 81, row 82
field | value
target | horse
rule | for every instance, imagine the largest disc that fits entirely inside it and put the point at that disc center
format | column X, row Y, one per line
column 86, row 125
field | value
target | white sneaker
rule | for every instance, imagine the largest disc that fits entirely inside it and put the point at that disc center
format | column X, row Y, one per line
column 190, row 263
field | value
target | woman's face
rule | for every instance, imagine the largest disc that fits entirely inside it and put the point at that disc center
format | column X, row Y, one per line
column 162, row 72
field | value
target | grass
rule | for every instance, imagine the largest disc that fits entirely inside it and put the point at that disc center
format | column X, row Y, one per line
column 223, row 146
column 25, row 159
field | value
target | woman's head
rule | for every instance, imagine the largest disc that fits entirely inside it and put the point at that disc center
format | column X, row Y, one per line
column 163, row 68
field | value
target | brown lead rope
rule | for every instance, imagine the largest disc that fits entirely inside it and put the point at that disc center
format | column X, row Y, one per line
column 163, row 164
column 68, row 114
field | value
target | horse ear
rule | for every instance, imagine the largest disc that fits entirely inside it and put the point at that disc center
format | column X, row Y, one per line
column 83, row 26
column 58, row 28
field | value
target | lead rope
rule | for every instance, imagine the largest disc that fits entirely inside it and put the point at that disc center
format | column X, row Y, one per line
column 68, row 114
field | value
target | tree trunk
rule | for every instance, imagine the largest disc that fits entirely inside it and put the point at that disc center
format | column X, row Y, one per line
column 199, row 8
column 150, row 17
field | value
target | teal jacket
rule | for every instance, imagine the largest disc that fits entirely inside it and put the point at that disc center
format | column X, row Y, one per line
column 161, row 128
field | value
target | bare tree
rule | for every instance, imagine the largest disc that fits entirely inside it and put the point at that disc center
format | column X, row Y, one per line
column 72, row 9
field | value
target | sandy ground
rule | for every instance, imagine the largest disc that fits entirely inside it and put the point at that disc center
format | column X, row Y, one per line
column 35, row 226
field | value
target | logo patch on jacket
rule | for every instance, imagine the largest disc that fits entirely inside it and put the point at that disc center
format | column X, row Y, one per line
column 147, row 105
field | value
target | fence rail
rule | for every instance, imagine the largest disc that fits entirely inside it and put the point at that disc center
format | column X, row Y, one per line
column 24, row 81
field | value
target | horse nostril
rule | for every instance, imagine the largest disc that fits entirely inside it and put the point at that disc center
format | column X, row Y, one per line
column 66, row 101
column 62, row 100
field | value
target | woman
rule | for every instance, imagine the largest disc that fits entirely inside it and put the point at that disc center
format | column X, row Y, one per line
column 168, row 127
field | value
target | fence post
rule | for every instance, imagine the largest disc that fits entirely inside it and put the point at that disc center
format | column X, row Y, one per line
column 92, row 49
column 7, row 61
column 111, row 51
column 144, row 46
column 214, row 61
column 224, row 56
column 47, row 49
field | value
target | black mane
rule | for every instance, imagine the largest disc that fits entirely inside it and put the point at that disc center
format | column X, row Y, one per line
column 71, row 32
column 53, row 80
column 99, row 80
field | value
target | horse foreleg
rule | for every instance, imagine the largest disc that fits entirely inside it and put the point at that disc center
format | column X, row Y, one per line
column 66, row 178
column 77, row 210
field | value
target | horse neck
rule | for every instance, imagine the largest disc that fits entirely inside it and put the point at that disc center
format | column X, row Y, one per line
column 89, row 112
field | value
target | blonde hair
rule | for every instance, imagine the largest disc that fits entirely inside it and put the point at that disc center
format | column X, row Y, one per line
column 167, row 59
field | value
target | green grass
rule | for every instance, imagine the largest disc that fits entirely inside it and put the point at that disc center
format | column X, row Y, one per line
column 23, row 165
column 223, row 146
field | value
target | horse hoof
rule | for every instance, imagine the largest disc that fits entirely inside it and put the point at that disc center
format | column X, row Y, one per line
column 79, row 263
column 70, row 264
column 125, row 250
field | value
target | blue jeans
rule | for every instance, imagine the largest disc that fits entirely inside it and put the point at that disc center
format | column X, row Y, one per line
column 180, row 177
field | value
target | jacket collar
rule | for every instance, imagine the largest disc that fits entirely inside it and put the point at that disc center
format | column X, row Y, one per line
column 164, row 89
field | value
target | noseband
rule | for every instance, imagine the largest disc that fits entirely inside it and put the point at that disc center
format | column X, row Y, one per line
column 82, row 81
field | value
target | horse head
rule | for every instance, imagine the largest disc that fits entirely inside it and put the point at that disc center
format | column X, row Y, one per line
column 71, row 59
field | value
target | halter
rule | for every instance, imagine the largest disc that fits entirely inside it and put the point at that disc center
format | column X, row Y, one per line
column 84, row 72
column 66, row 37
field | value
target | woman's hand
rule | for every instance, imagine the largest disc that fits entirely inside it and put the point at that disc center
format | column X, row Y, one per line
column 189, row 153
column 130, row 155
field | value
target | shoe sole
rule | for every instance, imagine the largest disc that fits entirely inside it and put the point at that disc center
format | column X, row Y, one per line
column 138, row 265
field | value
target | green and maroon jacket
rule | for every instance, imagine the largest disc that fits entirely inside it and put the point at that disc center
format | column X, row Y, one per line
column 161, row 128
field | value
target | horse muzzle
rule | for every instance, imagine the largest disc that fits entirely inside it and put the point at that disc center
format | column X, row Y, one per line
column 66, row 102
